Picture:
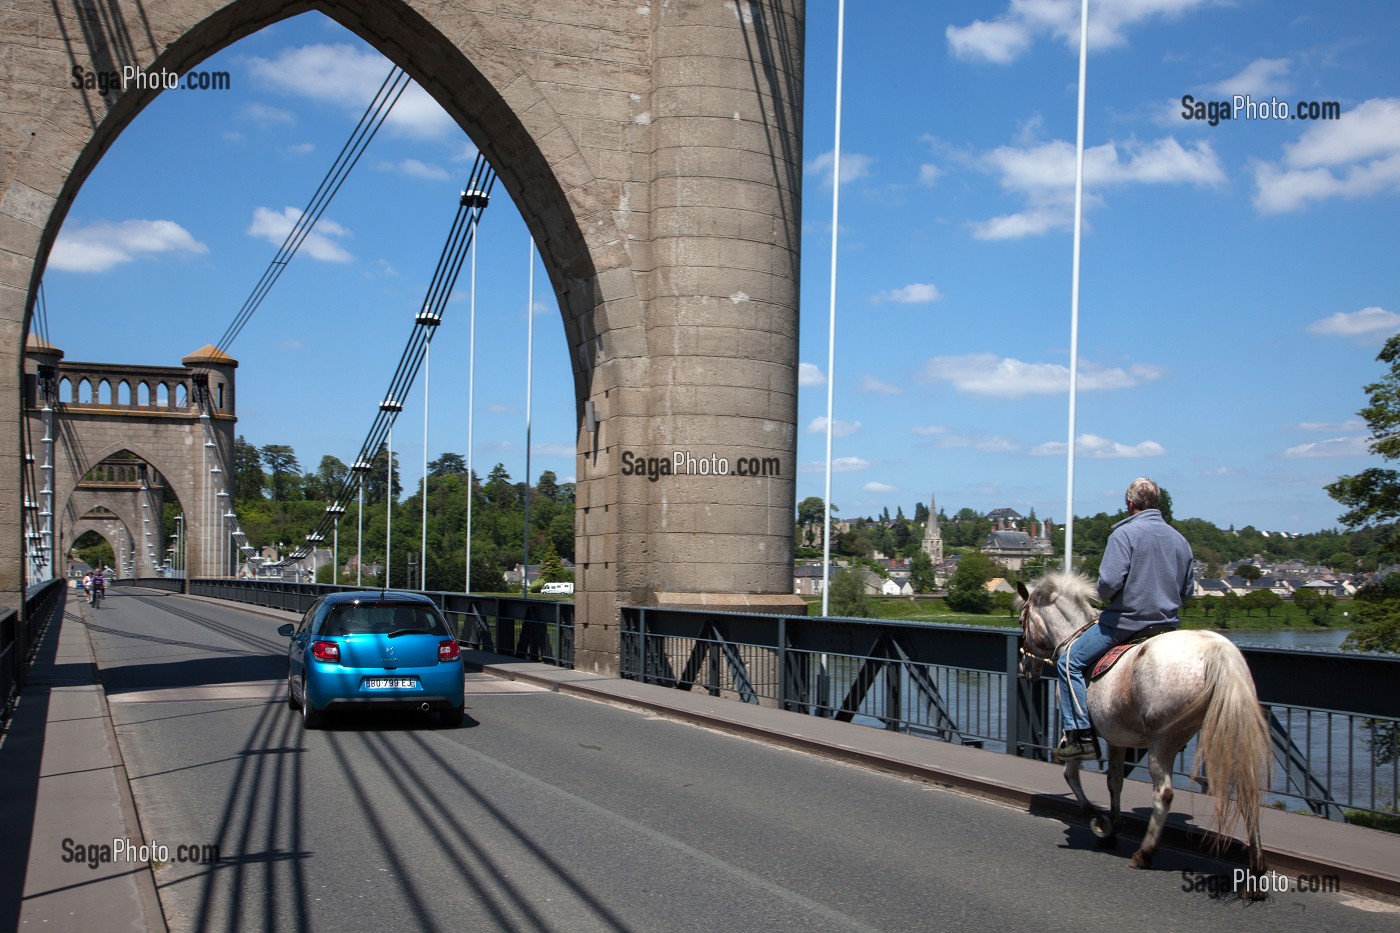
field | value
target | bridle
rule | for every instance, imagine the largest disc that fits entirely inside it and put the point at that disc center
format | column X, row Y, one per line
column 1032, row 671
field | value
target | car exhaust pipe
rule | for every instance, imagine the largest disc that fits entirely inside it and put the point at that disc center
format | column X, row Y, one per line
column 424, row 707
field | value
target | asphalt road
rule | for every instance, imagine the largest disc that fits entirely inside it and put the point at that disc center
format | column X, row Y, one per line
column 546, row 812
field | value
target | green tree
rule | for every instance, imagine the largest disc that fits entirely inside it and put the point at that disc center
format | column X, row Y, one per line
column 281, row 460
column 921, row 575
column 1342, row 562
column 449, row 464
column 1249, row 572
column 1373, row 495
column 248, row 476
column 967, row 591
column 848, row 597
column 811, row 519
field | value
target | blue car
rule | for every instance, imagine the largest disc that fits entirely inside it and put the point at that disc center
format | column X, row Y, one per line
column 373, row 650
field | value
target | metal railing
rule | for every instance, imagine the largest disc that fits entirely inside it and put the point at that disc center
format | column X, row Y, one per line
column 535, row 629
column 20, row 636
column 1334, row 717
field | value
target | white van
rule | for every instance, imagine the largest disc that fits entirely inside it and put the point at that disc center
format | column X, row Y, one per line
column 557, row 588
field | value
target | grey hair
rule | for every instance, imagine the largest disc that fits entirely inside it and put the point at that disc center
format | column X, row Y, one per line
column 1143, row 494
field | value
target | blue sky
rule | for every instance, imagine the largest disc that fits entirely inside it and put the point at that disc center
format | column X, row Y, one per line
column 1238, row 279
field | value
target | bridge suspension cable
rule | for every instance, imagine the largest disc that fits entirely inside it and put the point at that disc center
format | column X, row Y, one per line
column 471, row 204
column 373, row 118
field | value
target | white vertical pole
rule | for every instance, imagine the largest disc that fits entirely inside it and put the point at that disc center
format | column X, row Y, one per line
column 423, row 550
column 831, row 328
column 1074, row 285
column 529, row 384
column 471, row 387
column 360, row 535
column 389, row 508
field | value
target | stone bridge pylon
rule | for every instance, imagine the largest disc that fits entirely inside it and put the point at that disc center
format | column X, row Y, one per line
column 654, row 150
column 122, row 439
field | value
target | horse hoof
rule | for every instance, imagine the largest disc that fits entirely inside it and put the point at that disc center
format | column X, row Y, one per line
column 1141, row 859
column 1102, row 827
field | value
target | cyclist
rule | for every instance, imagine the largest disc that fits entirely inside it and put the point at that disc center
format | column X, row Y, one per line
column 97, row 586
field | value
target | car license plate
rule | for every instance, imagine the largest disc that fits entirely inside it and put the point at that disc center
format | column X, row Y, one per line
column 390, row 683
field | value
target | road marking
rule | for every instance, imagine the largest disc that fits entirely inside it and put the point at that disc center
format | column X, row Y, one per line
column 246, row 690
column 487, row 685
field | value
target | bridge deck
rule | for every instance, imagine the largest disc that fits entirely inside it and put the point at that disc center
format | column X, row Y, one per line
column 716, row 833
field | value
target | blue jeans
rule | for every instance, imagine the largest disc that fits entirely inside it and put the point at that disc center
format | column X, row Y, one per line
column 1079, row 658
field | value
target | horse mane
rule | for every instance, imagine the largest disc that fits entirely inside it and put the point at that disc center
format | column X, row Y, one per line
column 1074, row 586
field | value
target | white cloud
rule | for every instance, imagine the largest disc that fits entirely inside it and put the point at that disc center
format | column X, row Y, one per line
column 912, row 294
column 554, row 450
column 415, row 169
column 929, row 174
column 853, row 166
column 987, row 375
column 1043, row 174
column 838, row 465
column 839, row 428
column 102, row 245
column 1100, row 448
column 880, row 487
column 1355, row 446
column 1260, row 77
column 879, row 387
column 349, row 77
column 302, row 148
column 929, row 430
column 1368, row 322
column 982, row 443
column 1344, row 427
column 808, row 375
column 1009, row 35
column 274, row 226
column 265, row 115
column 1353, row 157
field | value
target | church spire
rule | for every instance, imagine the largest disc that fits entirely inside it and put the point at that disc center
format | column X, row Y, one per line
column 933, row 537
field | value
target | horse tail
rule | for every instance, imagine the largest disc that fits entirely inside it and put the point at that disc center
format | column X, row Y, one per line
column 1234, row 744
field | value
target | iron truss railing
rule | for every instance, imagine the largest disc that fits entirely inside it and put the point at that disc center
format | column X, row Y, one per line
column 1335, row 717
column 535, row 629
column 20, row 636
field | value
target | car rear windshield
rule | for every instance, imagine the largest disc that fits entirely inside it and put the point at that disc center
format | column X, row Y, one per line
column 383, row 620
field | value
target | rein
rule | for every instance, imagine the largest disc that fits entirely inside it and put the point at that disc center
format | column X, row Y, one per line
column 1059, row 649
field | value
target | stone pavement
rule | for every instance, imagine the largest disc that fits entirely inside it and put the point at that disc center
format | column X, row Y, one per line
column 63, row 789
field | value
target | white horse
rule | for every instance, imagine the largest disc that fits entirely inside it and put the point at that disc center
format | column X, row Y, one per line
column 1156, row 697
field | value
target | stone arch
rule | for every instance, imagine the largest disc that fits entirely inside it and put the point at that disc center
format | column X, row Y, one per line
column 654, row 151
column 124, row 393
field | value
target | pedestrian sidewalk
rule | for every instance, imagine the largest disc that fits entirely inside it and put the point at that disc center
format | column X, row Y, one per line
column 64, row 794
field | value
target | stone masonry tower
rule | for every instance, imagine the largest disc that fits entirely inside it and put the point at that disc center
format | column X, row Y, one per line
column 933, row 536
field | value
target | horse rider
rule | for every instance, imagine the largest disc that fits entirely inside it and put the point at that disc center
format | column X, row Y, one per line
column 1144, row 577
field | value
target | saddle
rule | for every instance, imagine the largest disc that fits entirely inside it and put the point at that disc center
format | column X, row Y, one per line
column 1116, row 653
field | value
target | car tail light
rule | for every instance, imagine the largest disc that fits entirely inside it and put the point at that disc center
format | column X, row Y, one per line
column 326, row 651
column 448, row 650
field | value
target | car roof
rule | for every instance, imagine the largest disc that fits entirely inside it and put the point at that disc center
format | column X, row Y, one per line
column 377, row 597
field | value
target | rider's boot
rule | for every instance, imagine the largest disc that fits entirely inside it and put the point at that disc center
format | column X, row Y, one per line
column 1077, row 745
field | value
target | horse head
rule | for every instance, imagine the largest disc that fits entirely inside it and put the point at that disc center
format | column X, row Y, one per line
column 1052, row 609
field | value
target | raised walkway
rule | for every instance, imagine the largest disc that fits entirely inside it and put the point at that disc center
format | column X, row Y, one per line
column 60, row 766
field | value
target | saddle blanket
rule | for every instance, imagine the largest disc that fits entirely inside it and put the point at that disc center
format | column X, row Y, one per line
column 1110, row 659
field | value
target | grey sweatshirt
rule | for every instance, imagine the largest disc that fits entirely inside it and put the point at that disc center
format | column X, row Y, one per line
column 1145, row 574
